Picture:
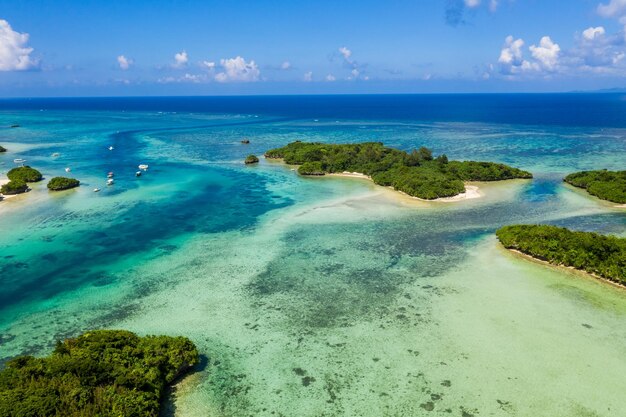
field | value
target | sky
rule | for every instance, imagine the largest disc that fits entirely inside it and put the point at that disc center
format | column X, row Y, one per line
column 188, row 47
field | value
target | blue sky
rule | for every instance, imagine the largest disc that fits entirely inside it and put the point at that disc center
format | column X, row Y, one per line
column 88, row 47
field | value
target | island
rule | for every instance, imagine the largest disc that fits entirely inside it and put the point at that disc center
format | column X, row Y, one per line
column 100, row 373
column 418, row 173
column 599, row 255
column 251, row 159
column 24, row 173
column 2, row 149
column 14, row 187
column 606, row 185
column 62, row 183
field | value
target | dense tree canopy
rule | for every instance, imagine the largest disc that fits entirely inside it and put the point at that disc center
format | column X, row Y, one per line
column 607, row 185
column 417, row 173
column 62, row 183
column 25, row 173
column 101, row 373
column 14, row 187
column 601, row 255
column 251, row 159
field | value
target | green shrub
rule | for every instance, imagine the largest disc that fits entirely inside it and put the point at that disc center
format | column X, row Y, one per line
column 607, row 185
column 251, row 159
column 25, row 173
column 101, row 373
column 14, row 187
column 602, row 255
column 417, row 173
column 62, row 183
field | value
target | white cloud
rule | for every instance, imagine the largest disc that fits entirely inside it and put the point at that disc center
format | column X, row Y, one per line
column 593, row 33
column 237, row 69
column 181, row 59
column 330, row 78
column 346, row 53
column 124, row 62
column 209, row 65
column 285, row 65
column 356, row 70
column 187, row 78
column 308, row 76
column 511, row 53
column 493, row 5
column 614, row 8
column 547, row 53
column 472, row 3
column 14, row 52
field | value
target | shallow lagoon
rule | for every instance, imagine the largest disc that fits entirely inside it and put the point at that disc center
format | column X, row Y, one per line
column 315, row 296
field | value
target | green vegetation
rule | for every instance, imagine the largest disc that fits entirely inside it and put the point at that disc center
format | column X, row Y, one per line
column 62, row 183
column 25, row 173
column 2, row 149
column 101, row 373
column 418, row 173
column 607, row 185
column 251, row 159
column 597, row 254
column 14, row 187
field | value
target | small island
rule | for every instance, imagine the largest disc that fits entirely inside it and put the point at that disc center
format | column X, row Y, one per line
column 606, row 185
column 25, row 173
column 14, row 187
column 599, row 255
column 418, row 174
column 100, row 373
column 2, row 149
column 251, row 159
column 62, row 183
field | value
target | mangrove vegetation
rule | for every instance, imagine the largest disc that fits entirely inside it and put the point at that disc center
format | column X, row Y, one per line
column 14, row 187
column 607, row 185
column 417, row 173
column 601, row 255
column 62, row 183
column 100, row 373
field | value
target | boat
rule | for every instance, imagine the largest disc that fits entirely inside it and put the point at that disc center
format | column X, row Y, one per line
column 110, row 181
column 111, row 148
column 67, row 169
column 110, row 175
column 143, row 167
column 138, row 174
column 19, row 161
column 95, row 190
column 56, row 154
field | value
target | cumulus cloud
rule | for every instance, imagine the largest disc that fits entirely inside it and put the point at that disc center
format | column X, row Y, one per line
column 330, row 78
column 472, row 3
column 124, row 62
column 15, row 54
column 511, row 53
column 181, row 59
column 593, row 33
column 356, row 69
column 308, row 76
column 286, row 65
column 547, row 53
column 237, row 69
column 614, row 8
column 209, row 65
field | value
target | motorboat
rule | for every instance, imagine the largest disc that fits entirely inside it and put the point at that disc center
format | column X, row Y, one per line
column 95, row 190
column 143, row 167
column 111, row 148
column 110, row 181
column 19, row 161
column 110, row 175
column 56, row 154
column 67, row 169
column 138, row 174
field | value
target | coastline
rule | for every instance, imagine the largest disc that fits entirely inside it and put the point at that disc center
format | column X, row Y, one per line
column 565, row 268
column 585, row 193
column 5, row 197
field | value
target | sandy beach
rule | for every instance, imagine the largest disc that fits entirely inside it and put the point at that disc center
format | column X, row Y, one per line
column 5, row 197
column 471, row 191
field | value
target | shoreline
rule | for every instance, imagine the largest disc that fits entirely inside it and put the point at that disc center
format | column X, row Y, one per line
column 565, row 268
column 471, row 191
column 4, row 196
column 584, row 192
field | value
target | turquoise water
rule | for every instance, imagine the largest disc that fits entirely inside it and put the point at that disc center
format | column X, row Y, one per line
column 327, row 296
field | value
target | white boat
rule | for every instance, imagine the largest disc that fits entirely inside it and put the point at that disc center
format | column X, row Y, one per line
column 67, row 169
column 19, row 161
column 95, row 190
column 143, row 167
column 110, row 175
column 138, row 174
column 110, row 181
column 111, row 148
column 56, row 154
